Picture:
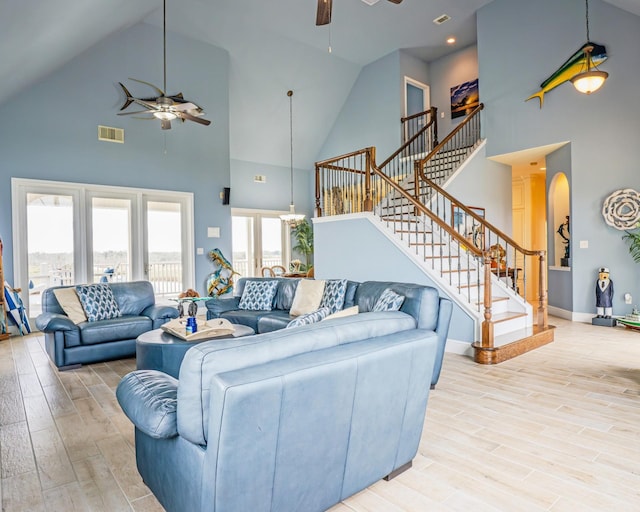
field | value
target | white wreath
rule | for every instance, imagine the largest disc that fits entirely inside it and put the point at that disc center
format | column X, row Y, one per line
column 621, row 209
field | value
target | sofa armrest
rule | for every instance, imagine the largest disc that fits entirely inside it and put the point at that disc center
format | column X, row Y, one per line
column 157, row 312
column 215, row 307
column 52, row 322
column 149, row 399
column 442, row 330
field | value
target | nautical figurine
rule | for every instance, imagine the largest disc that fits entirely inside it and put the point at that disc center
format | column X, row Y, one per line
column 220, row 281
column 604, row 294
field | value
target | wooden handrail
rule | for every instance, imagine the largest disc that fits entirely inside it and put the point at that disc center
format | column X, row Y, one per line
column 408, row 143
column 453, row 133
column 413, row 116
column 323, row 163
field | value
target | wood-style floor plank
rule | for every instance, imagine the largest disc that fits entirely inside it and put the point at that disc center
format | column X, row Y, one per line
column 556, row 429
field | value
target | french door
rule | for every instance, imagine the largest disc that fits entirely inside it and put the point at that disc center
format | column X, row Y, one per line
column 71, row 233
column 260, row 239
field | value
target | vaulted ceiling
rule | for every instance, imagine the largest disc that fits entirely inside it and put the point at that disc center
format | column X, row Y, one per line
column 39, row 36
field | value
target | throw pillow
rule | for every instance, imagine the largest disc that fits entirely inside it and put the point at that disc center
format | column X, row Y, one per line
column 353, row 310
column 98, row 302
column 309, row 318
column 258, row 295
column 388, row 301
column 70, row 304
column 334, row 294
column 307, row 297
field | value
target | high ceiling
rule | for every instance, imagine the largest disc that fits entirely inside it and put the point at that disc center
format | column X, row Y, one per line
column 39, row 36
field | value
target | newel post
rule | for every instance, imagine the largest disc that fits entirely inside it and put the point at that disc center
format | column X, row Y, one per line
column 487, row 324
column 434, row 116
column 542, row 293
column 318, row 207
column 371, row 157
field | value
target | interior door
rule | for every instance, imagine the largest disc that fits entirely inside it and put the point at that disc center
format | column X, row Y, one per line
column 416, row 100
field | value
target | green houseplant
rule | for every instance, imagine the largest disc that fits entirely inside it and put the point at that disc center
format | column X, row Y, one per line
column 303, row 235
column 633, row 239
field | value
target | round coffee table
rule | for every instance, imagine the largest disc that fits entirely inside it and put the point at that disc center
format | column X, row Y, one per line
column 159, row 350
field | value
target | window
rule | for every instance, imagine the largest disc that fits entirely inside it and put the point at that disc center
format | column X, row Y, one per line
column 68, row 233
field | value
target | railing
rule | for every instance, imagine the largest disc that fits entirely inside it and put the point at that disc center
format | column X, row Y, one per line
column 414, row 125
column 422, row 214
column 449, row 154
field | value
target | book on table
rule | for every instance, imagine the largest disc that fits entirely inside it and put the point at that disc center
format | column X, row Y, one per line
column 213, row 328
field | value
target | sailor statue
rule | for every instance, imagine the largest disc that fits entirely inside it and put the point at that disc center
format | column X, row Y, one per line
column 604, row 294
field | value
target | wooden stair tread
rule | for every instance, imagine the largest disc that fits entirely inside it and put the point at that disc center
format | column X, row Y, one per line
column 506, row 316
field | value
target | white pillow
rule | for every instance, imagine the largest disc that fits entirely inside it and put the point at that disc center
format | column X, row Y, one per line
column 70, row 304
column 353, row 310
column 308, row 296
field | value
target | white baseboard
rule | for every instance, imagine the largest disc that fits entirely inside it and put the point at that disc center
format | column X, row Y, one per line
column 571, row 315
column 459, row 347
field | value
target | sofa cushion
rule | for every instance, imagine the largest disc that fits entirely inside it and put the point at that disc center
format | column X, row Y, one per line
column 114, row 329
column 388, row 301
column 309, row 318
column 149, row 399
column 246, row 317
column 204, row 360
column 70, row 304
column 308, row 296
column 258, row 295
column 353, row 310
column 274, row 321
column 334, row 294
column 98, row 302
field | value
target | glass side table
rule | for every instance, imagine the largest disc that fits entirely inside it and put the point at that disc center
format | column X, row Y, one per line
column 192, row 307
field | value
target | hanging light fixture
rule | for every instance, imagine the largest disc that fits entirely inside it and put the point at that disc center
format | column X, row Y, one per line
column 292, row 218
column 592, row 79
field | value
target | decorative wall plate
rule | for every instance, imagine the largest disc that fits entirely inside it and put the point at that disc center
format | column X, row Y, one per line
column 621, row 209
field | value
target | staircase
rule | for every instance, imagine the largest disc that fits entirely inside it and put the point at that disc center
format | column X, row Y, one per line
column 482, row 269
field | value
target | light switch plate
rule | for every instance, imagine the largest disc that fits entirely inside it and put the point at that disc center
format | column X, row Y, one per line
column 584, row 244
column 199, row 251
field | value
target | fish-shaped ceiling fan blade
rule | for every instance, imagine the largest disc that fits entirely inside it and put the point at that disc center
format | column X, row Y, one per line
column 323, row 17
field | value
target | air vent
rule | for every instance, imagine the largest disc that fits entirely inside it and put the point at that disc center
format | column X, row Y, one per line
column 111, row 134
column 260, row 178
column 441, row 19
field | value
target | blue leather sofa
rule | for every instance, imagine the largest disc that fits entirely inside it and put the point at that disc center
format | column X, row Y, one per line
column 292, row 420
column 70, row 345
column 422, row 302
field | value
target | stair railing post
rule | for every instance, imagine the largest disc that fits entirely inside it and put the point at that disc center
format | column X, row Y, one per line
column 318, row 207
column 434, row 116
column 370, row 158
column 487, row 324
column 542, row 293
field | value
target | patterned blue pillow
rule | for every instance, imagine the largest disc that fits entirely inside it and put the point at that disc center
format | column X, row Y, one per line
column 309, row 318
column 98, row 302
column 258, row 295
column 335, row 291
column 388, row 301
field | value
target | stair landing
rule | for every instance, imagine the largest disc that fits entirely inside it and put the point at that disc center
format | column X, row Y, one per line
column 513, row 344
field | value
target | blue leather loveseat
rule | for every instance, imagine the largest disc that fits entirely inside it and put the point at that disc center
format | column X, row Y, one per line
column 292, row 420
column 69, row 344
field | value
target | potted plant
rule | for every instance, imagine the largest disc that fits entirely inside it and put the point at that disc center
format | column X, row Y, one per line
column 303, row 235
column 633, row 239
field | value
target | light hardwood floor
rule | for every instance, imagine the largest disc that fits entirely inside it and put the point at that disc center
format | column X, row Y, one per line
column 557, row 429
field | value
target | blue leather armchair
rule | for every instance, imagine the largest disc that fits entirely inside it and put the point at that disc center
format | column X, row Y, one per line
column 288, row 421
column 70, row 345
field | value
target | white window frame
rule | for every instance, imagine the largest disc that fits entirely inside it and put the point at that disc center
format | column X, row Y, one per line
column 82, row 194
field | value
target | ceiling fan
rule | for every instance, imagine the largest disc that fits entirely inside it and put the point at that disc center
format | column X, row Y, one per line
column 323, row 16
column 163, row 107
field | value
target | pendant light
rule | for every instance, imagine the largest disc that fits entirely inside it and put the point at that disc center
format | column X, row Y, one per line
column 592, row 79
column 292, row 218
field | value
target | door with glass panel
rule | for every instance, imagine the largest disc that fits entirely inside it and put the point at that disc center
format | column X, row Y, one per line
column 163, row 247
column 50, row 255
column 67, row 234
column 259, row 241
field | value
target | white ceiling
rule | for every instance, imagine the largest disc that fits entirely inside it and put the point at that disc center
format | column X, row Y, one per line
column 39, row 36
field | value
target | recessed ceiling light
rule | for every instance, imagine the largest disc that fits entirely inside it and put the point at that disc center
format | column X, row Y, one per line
column 451, row 40
column 543, row 168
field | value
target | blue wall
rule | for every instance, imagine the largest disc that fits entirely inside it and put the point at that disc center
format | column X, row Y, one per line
column 366, row 254
column 514, row 58
column 371, row 114
column 49, row 131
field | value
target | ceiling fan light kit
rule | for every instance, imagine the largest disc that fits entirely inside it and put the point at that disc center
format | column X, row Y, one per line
column 162, row 107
